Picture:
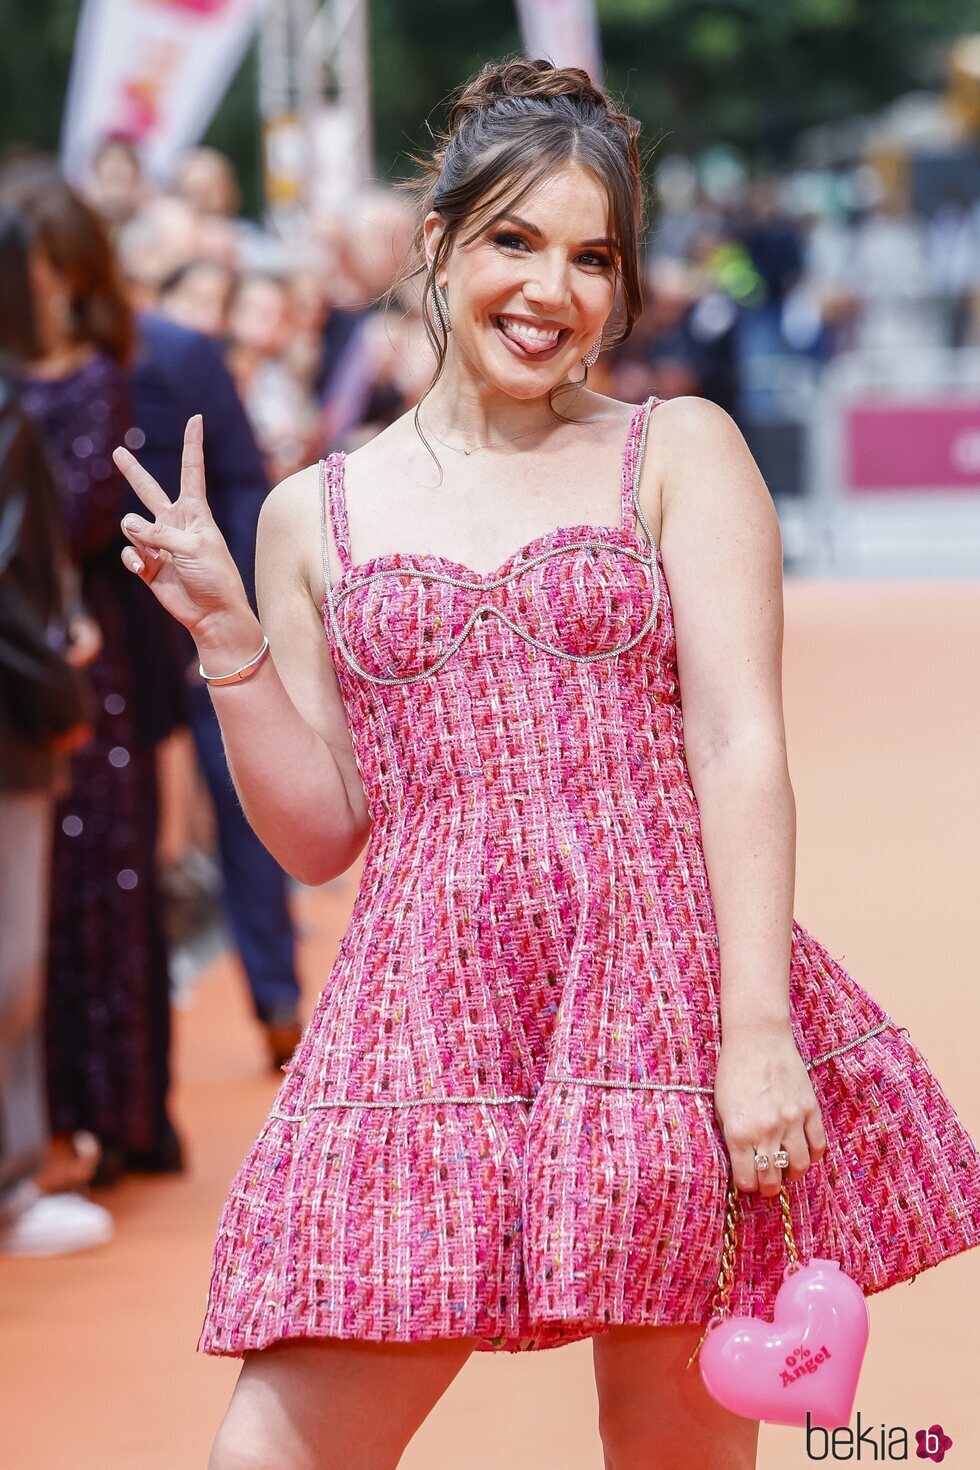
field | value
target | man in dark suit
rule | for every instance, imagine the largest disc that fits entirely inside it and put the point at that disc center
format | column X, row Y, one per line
column 179, row 373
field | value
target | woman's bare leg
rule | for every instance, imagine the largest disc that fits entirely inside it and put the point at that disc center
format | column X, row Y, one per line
column 656, row 1414
column 332, row 1404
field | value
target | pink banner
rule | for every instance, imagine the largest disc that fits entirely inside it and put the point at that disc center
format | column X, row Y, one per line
column 153, row 70
column 912, row 446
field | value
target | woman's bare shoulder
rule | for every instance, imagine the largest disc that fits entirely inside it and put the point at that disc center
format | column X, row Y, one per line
column 289, row 527
column 686, row 432
column 688, row 412
column 689, row 420
column 293, row 502
column 710, row 484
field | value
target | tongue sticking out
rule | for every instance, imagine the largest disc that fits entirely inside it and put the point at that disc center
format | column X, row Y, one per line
column 531, row 345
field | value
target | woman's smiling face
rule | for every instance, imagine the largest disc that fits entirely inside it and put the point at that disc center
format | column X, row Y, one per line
column 529, row 296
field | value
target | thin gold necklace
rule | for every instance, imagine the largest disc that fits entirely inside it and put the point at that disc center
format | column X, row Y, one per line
column 458, row 448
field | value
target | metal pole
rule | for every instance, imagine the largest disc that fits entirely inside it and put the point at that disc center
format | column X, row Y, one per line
column 315, row 99
column 284, row 164
column 354, row 78
column 344, row 144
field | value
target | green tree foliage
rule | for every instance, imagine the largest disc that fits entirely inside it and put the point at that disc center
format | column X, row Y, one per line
column 34, row 61
column 752, row 73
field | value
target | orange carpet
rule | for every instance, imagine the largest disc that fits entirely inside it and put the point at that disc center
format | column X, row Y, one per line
column 98, row 1367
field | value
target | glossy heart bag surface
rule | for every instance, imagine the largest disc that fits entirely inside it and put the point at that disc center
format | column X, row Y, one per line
column 807, row 1360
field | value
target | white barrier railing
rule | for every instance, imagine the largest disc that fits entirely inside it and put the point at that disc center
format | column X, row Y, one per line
column 894, row 466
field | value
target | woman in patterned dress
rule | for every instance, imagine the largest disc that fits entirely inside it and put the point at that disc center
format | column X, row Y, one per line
column 108, row 989
column 545, row 1041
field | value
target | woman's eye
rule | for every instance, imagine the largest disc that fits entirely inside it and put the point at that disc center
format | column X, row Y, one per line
column 510, row 242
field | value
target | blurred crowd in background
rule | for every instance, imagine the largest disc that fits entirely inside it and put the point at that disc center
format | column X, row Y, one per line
column 738, row 269
column 128, row 308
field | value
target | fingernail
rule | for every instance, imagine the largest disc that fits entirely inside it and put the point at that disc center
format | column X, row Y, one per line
column 137, row 564
column 131, row 523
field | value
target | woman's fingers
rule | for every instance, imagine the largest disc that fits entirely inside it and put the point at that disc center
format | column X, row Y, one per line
column 84, row 641
column 743, row 1170
column 769, row 1179
column 153, row 537
column 192, row 461
column 802, row 1148
column 796, row 1146
column 133, row 562
column 141, row 480
column 815, row 1136
column 751, row 1180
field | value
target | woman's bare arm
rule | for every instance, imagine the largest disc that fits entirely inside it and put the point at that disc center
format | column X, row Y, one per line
column 723, row 558
column 285, row 731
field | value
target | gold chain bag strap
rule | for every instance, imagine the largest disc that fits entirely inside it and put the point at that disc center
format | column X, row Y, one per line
column 720, row 1308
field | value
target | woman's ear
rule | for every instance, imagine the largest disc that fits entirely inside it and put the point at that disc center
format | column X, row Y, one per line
column 433, row 229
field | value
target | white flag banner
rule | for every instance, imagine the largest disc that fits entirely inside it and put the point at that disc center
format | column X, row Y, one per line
column 154, row 70
column 563, row 31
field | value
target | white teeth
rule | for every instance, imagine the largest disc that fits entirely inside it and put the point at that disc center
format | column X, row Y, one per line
column 531, row 334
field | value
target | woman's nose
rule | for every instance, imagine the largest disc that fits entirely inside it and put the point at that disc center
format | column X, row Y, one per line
column 548, row 285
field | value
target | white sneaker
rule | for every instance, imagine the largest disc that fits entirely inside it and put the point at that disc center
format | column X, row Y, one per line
column 55, row 1225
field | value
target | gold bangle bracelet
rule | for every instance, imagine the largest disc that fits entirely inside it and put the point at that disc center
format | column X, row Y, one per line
column 237, row 676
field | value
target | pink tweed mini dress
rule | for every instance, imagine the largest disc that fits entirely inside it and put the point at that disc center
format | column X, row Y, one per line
column 499, row 1122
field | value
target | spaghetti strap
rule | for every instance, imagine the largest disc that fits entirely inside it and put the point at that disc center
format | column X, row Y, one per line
column 633, row 459
column 332, row 505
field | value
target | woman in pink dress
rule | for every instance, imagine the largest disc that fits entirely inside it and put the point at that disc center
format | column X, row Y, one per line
column 546, row 1039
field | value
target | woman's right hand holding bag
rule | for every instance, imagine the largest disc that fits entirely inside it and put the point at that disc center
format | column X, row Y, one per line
column 180, row 553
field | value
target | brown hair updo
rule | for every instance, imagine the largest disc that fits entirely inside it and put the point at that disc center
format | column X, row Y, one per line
column 509, row 127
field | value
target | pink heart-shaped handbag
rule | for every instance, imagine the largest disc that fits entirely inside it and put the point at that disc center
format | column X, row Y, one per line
column 807, row 1360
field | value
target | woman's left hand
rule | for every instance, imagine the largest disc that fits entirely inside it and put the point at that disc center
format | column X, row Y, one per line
column 84, row 640
column 764, row 1101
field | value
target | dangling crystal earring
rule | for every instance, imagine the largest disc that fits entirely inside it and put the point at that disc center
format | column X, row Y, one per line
column 590, row 357
column 442, row 306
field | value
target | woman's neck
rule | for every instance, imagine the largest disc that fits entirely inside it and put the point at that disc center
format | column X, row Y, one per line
column 466, row 415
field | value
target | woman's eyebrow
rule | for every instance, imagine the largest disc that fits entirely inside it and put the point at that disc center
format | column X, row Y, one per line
column 538, row 234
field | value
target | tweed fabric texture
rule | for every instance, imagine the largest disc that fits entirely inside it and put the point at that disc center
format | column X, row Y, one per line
column 499, row 1122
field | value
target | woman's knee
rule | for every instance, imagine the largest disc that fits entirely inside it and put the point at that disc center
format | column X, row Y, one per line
column 232, row 1451
column 242, row 1443
column 237, row 1448
column 328, row 1404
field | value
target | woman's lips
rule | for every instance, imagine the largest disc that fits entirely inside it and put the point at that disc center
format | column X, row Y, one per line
column 530, row 354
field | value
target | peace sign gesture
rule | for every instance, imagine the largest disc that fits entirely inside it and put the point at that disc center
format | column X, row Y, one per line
column 181, row 555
